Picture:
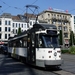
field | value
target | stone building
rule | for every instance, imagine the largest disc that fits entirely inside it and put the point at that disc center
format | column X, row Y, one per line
column 59, row 18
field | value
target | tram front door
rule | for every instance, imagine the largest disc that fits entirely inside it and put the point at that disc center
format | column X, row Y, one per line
column 30, row 50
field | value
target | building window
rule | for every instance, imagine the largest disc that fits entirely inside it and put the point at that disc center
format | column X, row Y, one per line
column 59, row 27
column 16, row 31
column 19, row 24
column 64, row 23
column 5, row 36
column 48, row 21
column 8, row 22
column 0, row 29
column 0, row 35
column 16, row 24
column 0, row 22
column 65, row 35
column 74, row 26
column 8, row 35
column 5, row 28
column 13, row 24
column 13, row 31
column 65, row 28
column 25, row 25
column 63, row 16
column 74, row 19
column 5, row 22
column 48, row 15
column 59, row 22
column 22, row 25
column 60, row 17
column 9, row 29
column 53, row 22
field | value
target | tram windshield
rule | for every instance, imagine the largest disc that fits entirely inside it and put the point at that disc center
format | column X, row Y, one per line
column 49, row 41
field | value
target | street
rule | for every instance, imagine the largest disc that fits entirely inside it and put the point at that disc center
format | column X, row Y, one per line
column 10, row 66
column 69, row 63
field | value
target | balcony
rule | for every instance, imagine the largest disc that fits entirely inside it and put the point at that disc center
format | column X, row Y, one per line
column 54, row 17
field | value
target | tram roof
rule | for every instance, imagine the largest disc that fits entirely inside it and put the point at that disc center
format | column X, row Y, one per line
column 44, row 26
column 36, row 27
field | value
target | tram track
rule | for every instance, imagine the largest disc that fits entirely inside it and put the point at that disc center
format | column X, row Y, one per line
column 55, row 71
column 63, row 72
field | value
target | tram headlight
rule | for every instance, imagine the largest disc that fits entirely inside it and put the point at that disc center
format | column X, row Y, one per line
column 49, row 56
column 59, row 51
column 60, row 56
column 49, row 51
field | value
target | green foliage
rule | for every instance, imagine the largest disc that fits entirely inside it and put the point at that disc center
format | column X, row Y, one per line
column 72, row 39
column 19, row 30
column 72, row 50
column 64, row 51
column 60, row 38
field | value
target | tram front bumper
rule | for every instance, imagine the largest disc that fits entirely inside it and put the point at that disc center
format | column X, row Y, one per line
column 54, row 62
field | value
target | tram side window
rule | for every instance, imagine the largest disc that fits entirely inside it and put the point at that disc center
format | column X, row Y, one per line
column 17, row 45
column 19, row 42
column 24, row 42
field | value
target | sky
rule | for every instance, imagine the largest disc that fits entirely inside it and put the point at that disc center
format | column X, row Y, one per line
column 16, row 7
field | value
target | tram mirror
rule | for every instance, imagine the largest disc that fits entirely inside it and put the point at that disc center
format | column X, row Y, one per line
column 40, row 42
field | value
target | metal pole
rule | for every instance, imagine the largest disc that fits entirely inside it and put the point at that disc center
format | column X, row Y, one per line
column 62, row 35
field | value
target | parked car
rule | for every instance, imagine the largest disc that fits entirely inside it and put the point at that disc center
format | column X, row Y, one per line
column 4, row 49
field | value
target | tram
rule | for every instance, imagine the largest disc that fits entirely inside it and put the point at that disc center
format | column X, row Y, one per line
column 37, row 46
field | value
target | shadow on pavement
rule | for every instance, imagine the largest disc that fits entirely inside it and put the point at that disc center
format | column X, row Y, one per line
column 9, row 66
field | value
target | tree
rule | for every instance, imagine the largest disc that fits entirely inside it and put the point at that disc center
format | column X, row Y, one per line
column 72, row 39
column 60, row 38
column 19, row 31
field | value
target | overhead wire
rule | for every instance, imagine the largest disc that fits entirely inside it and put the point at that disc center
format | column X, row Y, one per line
column 31, row 4
column 20, row 8
column 71, row 10
column 34, row 2
column 8, row 6
column 14, row 6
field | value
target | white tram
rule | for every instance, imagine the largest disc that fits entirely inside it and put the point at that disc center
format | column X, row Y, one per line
column 37, row 46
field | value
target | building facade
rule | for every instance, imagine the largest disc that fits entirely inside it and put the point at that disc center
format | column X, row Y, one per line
column 59, row 18
column 9, row 25
column 5, row 27
column 73, row 23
